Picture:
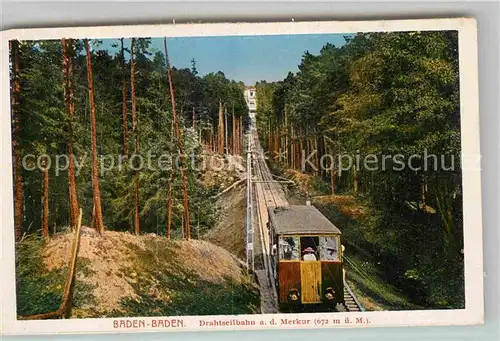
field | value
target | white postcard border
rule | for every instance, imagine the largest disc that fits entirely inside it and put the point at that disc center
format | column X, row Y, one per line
column 472, row 217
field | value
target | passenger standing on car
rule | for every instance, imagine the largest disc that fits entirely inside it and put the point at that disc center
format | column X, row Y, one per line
column 309, row 254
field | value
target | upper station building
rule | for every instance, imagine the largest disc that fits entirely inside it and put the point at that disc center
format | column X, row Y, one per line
column 251, row 99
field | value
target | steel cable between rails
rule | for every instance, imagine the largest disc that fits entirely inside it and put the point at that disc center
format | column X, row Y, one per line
column 364, row 276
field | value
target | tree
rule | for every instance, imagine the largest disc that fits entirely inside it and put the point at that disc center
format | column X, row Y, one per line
column 15, row 98
column 57, row 113
column 67, row 55
column 45, row 219
column 97, row 222
column 136, row 136
column 179, row 144
column 124, row 103
column 382, row 94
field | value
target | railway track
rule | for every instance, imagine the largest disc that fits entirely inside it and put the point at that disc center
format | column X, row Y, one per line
column 269, row 193
column 351, row 301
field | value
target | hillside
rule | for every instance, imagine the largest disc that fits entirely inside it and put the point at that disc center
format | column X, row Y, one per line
column 353, row 216
column 229, row 232
column 121, row 275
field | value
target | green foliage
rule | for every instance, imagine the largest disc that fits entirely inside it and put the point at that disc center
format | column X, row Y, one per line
column 44, row 121
column 385, row 94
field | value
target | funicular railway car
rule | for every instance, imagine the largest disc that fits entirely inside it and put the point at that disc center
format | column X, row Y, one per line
column 306, row 258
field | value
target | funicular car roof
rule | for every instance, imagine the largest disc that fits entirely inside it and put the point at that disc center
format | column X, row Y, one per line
column 300, row 219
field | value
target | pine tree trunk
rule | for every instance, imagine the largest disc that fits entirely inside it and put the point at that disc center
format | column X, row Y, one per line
column 194, row 120
column 269, row 135
column 15, row 98
column 287, row 147
column 67, row 52
column 300, row 153
column 332, row 172
column 124, row 104
column 169, row 192
column 220, row 135
column 236, row 136
column 45, row 217
column 54, row 228
column 98, row 222
column 132, row 85
column 179, row 144
column 226, row 144
column 212, row 139
column 355, row 180
column 233, row 134
column 135, row 132
column 316, row 148
column 241, row 141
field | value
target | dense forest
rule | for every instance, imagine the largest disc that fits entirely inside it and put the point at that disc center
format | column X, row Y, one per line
column 98, row 105
column 378, row 95
column 381, row 94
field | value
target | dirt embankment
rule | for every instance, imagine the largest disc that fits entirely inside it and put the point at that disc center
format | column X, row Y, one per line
column 149, row 275
column 222, row 170
column 229, row 232
column 128, row 275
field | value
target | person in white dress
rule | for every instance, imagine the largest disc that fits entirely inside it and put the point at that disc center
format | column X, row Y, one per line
column 309, row 254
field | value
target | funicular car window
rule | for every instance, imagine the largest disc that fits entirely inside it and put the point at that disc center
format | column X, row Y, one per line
column 329, row 248
column 289, row 248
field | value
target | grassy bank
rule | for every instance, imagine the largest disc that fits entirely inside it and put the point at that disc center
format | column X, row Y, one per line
column 354, row 218
column 120, row 274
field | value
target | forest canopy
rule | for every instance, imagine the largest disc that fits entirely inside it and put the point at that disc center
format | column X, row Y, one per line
column 53, row 114
column 381, row 94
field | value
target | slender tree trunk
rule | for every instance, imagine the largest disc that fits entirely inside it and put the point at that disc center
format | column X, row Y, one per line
column 422, row 192
column 15, row 98
column 194, row 120
column 98, row 222
column 269, row 135
column 332, row 171
column 301, row 151
column 169, row 193
column 124, row 104
column 136, row 137
column 276, row 142
column 212, row 139
column 220, row 136
column 54, row 229
column 132, row 84
column 226, row 148
column 233, row 134
column 179, row 144
column 236, row 136
column 316, row 149
column 67, row 52
column 292, row 142
column 242, row 137
column 355, row 180
column 241, row 142
column 45, row 217
column 287, row 147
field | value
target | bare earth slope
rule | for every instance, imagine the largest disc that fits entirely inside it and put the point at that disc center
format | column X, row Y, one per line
column 229, row 232
column 149, row 275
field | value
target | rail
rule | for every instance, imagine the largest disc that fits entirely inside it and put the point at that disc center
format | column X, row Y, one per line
column 267, row 192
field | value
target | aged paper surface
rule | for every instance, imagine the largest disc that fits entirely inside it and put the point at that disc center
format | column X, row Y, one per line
column 240, row 176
